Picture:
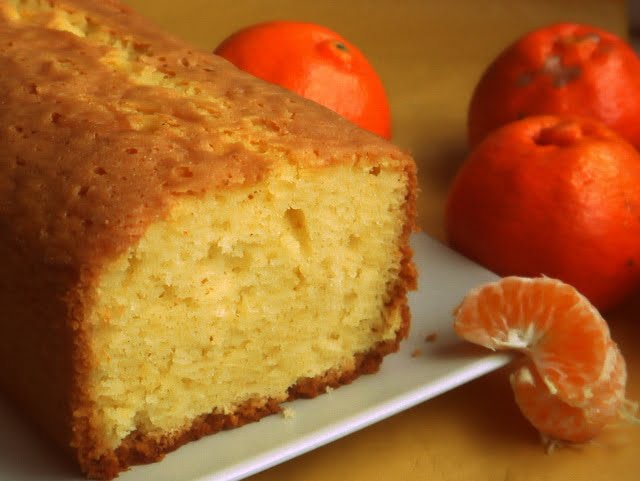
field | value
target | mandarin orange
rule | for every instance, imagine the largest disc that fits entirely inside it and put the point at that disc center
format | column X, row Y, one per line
column 552, row 196
column 316, row 63
column 563, row 68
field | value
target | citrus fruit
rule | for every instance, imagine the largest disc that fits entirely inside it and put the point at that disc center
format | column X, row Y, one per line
column 558, row 420
column 316, row 63
column 564, row 68
column 550, row 321
column 552, row 196
column 572, row 381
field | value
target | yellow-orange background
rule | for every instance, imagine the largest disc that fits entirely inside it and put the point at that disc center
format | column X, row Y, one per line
column 429, row 55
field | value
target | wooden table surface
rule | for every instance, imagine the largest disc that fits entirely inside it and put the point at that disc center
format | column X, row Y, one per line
column 429, row 55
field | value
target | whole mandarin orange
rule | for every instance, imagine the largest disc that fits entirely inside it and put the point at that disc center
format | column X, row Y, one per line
column 316, row 63
column 564, row 68
column 552, row 196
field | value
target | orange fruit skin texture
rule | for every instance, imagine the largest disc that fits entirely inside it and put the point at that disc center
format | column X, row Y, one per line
column 570, row 383
column 560, row 69
column 552, row 196
column 316, row 63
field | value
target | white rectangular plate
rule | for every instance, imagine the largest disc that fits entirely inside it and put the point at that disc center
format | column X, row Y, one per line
column 403, row 381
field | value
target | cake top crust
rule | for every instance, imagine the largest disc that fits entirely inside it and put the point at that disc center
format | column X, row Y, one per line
column 105, row 120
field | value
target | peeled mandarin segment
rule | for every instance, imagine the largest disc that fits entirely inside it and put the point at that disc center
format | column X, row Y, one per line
column 551, row 416
column 608, row 394
column 572, row 356
column 548, row 320
column 556, row 419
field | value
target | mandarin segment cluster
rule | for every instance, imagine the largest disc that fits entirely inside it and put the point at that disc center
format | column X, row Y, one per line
column 570, row 382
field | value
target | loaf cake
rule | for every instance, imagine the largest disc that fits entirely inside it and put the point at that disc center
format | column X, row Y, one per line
column 184, row 247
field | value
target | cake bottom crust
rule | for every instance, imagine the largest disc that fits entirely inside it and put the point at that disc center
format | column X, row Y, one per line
column 139, row 448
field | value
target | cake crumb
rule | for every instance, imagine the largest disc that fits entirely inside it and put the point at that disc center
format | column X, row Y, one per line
column 328, row 389
column 431, row 337
column 416, row 353
column 288, row 413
